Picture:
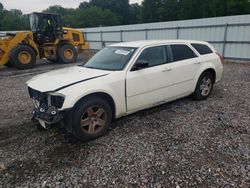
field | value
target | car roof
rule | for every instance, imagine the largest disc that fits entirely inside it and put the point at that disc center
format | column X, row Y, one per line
column 143, row 43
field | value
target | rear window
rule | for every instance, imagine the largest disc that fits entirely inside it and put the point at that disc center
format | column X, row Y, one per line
column 202, row 48
column 181, row 52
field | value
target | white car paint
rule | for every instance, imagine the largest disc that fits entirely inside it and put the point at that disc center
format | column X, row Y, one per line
column 53, row 80
column 131, row 90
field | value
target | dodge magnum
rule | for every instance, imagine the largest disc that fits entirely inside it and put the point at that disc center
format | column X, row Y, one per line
column 122, row 79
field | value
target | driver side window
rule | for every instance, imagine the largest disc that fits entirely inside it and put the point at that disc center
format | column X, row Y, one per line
column 154, row 56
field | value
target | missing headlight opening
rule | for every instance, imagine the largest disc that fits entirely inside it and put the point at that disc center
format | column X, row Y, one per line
column 57, row 101
column 46, row 106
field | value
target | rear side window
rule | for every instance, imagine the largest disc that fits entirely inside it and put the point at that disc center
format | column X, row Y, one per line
column 181, row 52
column 202, row 48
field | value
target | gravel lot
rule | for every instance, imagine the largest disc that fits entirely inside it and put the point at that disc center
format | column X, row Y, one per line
column 184, row 143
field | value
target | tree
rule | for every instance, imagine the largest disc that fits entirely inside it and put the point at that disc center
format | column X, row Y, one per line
column 119, row 7
column 84, row 5
column 94, row 17
column 1, row 6
column 114, row 12
column 1, row 15
column 168, row 10
column 191, row 9
column 149, row 9
column 135, row 13
column 14, row 20
column 236, row 7
column 67, row 14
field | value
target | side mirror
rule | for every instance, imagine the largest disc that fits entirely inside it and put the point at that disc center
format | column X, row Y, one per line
column 141, row 64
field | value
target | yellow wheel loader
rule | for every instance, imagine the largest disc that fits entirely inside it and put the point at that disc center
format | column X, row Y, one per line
column 47, row 39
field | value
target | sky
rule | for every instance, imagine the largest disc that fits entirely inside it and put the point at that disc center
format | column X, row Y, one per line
column 28, row 6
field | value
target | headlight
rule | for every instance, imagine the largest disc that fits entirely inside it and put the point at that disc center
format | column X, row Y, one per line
column 56, row 101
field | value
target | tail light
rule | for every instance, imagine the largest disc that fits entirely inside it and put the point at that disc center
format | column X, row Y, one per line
column 221, row 57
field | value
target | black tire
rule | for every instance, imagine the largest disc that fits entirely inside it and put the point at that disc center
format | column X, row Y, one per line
column 17, row 52
column 8, row 64
column 81, row 112
column 67, row 49
column 201, row 92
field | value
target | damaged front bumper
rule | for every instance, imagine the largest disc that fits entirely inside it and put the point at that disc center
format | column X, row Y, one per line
column 48, row 115
column 46, row 105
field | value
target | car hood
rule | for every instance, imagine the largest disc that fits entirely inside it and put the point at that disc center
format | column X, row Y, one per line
column 62, row 78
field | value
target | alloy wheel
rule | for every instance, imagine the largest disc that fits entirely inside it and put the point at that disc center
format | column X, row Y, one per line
column 206, row 86
column 93, row 120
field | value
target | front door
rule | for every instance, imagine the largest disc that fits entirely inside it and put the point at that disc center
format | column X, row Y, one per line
column 148, row 86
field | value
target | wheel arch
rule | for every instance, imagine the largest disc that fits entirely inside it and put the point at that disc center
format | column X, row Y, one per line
column 212, row 71
column 64, row 42
column 209, row 69
column 102, row 95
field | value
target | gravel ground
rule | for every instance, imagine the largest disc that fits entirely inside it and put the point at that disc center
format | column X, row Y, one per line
column 184, row 143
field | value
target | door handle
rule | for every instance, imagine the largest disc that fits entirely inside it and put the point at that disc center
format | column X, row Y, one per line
column 166, row 69
column 197, row 63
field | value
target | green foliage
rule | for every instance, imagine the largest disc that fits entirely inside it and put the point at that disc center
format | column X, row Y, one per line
column 135, row 13
column 68, row 14
column 235, row 7
column 166, row 10
column 13, row 20
column 86, row 16
column 114, row 12
column 1, row 6
column 84, row 5
column 94, row 17
column 119, row 7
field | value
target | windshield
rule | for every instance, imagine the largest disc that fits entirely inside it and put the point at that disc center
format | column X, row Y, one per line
column 34, row 22
column 111, row 58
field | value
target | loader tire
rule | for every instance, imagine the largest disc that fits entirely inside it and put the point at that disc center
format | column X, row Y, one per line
column 67, row 54
column 8, row 64
column 22, row 57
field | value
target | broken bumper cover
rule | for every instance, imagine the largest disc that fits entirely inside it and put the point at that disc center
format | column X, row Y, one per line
column 49, row 115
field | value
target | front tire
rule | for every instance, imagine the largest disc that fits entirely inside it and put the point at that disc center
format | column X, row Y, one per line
column 8, row 64
column 91, row 118
column 22, row 57
column 204, row 86
column 67, row 54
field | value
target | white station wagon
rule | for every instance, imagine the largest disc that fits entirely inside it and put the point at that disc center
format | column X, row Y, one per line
column 122, row 79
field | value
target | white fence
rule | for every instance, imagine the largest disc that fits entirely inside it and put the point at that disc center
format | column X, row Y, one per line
column 230, row 35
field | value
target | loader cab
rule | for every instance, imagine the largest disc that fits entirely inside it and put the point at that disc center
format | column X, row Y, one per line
column 46, row 28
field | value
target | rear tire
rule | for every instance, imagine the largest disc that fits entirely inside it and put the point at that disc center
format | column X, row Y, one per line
column 91, row 118
column 204, row 86
column 67, row 53
column 22, row 57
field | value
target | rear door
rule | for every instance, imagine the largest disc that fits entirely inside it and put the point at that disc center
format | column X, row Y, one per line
column 185, row 64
